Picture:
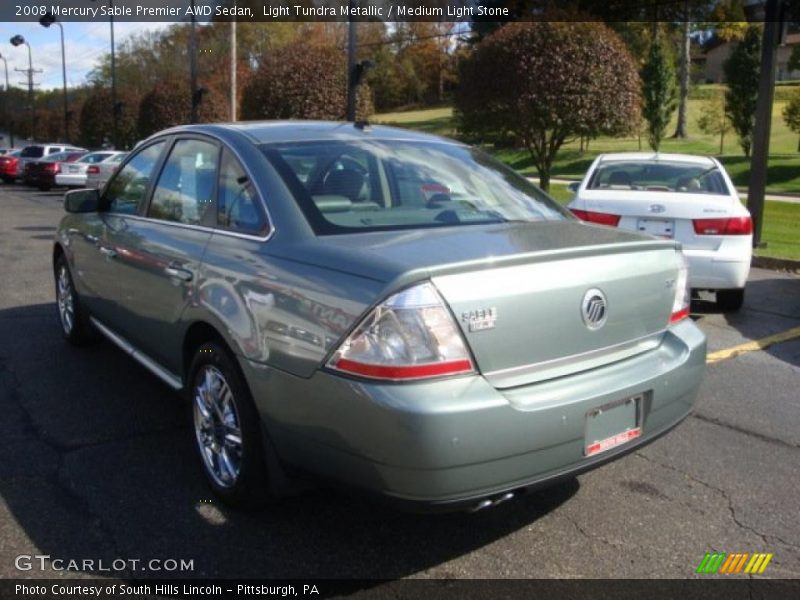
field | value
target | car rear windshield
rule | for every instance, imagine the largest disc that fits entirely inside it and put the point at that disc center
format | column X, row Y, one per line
column 32, row 152
column 659, row 176
column 348, row 186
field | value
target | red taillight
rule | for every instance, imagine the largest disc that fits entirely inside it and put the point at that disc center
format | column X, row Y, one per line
column 596, row 217
column 409, row 336
column 92, row 170
column 54, row 167
column 728, row 226
column 404, row 372
column 679, row 315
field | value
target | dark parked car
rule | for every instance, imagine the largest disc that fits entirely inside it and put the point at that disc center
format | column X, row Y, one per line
column 386, row 309
column 42, row 173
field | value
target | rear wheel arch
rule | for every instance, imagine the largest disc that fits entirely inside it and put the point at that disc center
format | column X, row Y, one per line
column 58, row 252
column 196, row 335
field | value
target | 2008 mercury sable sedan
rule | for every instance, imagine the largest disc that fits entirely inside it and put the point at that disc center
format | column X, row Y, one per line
column 379, row 308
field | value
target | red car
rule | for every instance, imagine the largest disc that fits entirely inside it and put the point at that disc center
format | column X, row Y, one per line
column 8, row 166
column 42, row 173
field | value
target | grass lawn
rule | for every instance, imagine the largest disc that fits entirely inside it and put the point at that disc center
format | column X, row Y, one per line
column 784, row 164
column 781, row 220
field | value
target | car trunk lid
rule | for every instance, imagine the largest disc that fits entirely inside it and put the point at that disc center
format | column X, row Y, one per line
column 517, row 290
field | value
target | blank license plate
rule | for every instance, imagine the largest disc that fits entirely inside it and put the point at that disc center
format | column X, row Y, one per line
column 659, row 227
column 612, row 425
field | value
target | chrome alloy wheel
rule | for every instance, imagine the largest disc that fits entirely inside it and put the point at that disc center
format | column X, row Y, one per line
column 66, row 300
column 216, row 426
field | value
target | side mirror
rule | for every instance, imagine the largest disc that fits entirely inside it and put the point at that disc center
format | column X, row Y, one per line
column 82, row 201
column 573, row 186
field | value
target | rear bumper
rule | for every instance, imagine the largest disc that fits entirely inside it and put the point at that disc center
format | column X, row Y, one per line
column 449, row 443
column 713, row 270
column 70, row 180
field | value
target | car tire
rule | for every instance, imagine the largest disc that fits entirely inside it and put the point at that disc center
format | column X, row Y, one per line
column 73, row 318
column 8, row 180
column 730, row 300
column 227, row 429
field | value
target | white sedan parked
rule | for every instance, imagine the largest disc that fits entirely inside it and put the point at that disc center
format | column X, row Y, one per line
column 74, row 174
column 688, row 198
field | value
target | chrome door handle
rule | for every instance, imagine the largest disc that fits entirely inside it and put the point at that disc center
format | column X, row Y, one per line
column 109, row 252
column 178, row 273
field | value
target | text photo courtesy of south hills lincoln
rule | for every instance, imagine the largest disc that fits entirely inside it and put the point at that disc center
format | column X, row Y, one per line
column 399, row 299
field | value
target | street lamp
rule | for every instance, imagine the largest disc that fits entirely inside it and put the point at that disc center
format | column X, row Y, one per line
column 45, row 21
column 5, row 103
column 16, row 41
column 115, row 106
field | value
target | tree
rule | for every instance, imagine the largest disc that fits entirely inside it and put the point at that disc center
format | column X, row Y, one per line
column 97, row 121
column 742, row 75
column 714, row 120
column 301, row 81
column 546, row 83
column 169, row 104
column 658, row 93
column 794, row 60
column 791, row 114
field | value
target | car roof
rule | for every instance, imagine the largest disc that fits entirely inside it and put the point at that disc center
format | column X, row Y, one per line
column 656, row 157
column 262, row 132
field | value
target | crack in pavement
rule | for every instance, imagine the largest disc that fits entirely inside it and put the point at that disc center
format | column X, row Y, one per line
column 62, row 479
column 760, row 436
column 728, row 499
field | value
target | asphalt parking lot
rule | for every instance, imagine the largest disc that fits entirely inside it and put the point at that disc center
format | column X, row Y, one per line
column 99, row 465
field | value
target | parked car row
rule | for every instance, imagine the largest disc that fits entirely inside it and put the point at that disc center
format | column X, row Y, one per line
column 50, row 165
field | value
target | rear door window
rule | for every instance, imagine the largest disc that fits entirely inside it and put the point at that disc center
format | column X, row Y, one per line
column 185, row 189
column 126, row 192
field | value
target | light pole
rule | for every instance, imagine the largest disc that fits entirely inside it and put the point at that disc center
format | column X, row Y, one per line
column 45, row 21
column 5, row 104
column 18, row 40
column 115, row 107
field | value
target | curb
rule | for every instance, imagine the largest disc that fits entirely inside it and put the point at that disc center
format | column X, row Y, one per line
column 776, row 264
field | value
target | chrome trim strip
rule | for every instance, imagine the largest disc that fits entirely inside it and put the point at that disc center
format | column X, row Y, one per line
column 144, row 360
column 615, row 352
column 203, row 228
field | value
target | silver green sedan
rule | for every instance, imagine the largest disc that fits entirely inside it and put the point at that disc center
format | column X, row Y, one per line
column 393, row 311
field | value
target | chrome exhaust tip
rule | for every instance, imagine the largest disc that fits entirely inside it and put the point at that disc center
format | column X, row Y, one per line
column 491, row 502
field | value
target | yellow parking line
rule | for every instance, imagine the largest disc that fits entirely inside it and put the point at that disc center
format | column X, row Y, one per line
column 753, row 346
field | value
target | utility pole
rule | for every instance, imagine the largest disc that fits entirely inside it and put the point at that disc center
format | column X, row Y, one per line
column 5, row 104
column 193, row 68
column 233, row 70
column 18, row 40
column 761, row 131
column 352, row 84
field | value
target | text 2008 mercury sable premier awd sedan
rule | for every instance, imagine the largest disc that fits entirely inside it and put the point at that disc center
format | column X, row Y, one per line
column 384, row 309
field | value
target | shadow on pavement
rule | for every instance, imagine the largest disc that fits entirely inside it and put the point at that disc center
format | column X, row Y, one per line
column 100, row 465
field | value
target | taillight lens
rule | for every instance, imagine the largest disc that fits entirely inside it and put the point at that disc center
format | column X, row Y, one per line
column 729, row 226
column 54, row 167
column 596, row 217
column 92, row 170
column 410, row 336
column 683, row 295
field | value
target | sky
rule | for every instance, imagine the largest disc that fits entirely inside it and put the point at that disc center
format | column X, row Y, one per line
column 85, row 44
